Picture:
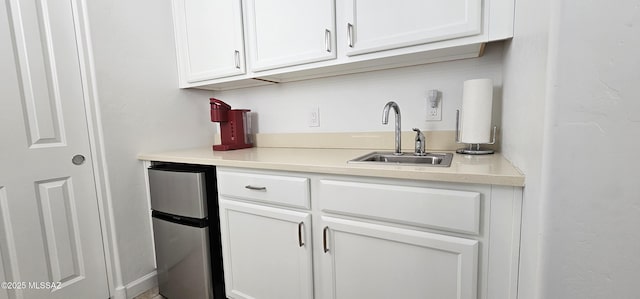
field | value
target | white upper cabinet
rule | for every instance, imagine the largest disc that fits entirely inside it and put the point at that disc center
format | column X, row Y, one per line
column 209, row 39
column 226, row 44
column 377, row 25
column 284, row 33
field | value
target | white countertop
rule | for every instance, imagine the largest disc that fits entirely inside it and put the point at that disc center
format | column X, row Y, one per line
column 485, row 169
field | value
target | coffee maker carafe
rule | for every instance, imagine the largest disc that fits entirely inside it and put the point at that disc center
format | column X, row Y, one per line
column 234, row 126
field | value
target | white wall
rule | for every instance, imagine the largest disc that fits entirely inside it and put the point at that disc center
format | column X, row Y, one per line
column 353, row 103
column 142, row 110
column 591, row 189
column 523, row 118
column 571, row 98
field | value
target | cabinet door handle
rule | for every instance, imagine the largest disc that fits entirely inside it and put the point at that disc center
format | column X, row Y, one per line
column 327, row 40
column 256, row 188
column 300, row 229
column 237, row 58
column 350, row 35
column 325, row 231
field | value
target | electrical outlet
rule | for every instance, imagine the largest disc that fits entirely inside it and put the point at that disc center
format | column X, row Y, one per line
column 314, row 117
column 434, row 113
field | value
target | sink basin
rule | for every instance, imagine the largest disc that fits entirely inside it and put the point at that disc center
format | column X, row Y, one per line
column 430, row 159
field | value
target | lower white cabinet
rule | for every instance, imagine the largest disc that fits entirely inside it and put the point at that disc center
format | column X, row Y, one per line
column 266, row 251
column 365, row 260
column 372, row 237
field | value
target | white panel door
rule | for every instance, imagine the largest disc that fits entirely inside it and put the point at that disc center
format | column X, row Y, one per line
column 266, row 252
column 290, row 32
column 376, row 25
column 50, row 238
column 209, row 39
column 364, row 260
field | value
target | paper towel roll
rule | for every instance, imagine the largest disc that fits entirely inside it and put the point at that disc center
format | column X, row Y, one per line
column 475, row 119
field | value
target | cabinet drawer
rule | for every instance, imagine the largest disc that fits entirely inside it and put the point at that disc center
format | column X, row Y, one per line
column 276, row 189
column 452, row 210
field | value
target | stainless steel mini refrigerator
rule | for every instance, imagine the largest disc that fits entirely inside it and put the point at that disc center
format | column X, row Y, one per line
column 186, row 231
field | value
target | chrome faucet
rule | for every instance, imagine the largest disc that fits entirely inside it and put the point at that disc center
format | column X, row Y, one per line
column 385, row 120
column 421, row 143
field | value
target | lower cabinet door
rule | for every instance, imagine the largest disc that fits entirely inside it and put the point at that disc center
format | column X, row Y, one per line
column 364, row 260
column 266, row 251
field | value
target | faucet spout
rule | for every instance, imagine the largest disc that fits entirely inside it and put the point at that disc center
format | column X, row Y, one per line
column 385, row 120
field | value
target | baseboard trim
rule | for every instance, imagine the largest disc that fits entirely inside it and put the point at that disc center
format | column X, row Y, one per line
column 119, row 293
column 141, row 285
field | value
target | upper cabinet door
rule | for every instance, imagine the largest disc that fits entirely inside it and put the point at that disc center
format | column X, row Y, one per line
column 377, row 25
column 209, row 39
column 283, row 33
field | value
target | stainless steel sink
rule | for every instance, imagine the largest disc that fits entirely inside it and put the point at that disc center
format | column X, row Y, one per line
column 430, row 159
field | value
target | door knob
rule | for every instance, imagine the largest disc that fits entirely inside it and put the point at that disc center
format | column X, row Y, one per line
column 78, row 159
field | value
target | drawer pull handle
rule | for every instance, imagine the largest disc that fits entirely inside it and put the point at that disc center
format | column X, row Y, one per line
column 325, row 231
column 256, row 188
column 300, row 229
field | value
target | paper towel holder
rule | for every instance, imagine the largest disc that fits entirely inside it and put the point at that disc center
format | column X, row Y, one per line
column 473, row 148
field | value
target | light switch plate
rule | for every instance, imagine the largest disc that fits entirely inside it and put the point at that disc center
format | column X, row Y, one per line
column 314, row 117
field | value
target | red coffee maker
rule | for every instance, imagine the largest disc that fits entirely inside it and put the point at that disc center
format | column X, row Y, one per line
column 234, row 126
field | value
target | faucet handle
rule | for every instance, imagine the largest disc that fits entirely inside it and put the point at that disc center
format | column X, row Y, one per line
column 418, row 133
column 420, row 143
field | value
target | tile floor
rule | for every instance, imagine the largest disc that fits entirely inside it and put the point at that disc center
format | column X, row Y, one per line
column 150, row 294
